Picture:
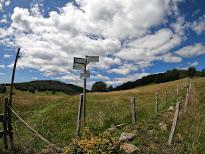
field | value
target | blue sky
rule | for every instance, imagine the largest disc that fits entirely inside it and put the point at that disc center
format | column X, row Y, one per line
column 133, row 38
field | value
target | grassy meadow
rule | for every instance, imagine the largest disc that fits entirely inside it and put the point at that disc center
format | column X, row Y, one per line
column 54, row 116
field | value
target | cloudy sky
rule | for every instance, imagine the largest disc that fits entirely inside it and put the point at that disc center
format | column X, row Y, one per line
column 132, row 37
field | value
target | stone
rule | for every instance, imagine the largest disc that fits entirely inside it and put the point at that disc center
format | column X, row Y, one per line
column 126, row 137
column 171, row 109
column 179, row 137
column 129, row 148
column 163, row 126
column 150, row 132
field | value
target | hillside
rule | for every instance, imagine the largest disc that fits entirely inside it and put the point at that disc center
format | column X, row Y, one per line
column 169, row 75
column 49, row 85
column 55, row 116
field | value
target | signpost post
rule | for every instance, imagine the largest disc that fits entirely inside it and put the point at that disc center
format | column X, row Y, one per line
column 81, row 64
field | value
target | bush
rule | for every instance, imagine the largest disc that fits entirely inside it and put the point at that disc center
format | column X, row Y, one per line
column 99, row 86
column 89, row 143
column 2, row 89
column 32, row 90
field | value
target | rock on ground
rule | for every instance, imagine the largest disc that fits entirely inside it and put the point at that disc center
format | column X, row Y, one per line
column 129, row 148
column 126, row 137
column 163, row 126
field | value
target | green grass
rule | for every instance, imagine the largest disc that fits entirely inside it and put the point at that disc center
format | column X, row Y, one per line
column 54, row 116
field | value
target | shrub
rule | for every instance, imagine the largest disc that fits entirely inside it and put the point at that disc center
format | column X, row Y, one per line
column 90, row 143
column 2, row 89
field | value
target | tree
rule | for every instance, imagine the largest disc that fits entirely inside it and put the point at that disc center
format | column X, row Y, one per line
column 191, row 71
column 2, row 89
column 110, row 88
column 99, row 86
column 202, row 73
column 32, row 90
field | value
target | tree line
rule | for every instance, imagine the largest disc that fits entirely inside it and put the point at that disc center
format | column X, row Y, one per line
column 167, row 76
column 100, row 86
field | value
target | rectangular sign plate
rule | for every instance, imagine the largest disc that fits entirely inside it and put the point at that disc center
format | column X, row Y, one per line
column 79, row 60
column 1, row 117
column 85, row 74
column 93, row 58
column 78, row 66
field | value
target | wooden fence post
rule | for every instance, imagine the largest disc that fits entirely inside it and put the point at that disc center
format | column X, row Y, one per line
column 133, row 112
column 156, row 102
column 5, row 123
column 174, row 123
column 166, row 97
column 190, row 86
column 186, row 100
column 10, row 126
column 79, row 115
column 177, row 90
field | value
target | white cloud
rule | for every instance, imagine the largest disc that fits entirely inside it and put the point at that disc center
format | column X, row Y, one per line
column 7, row 56
column 4, row 3
column 170, row 58
column 34, row 78
column 151, row 47
column 199, row 25
column 101, row 77
column 194, row 64
column 192, row 50
column 124, row 69
column 131, row 77
column 1, row 6
column 2, row 66
column 3, row 21
column 49, row 44
column 2, row 74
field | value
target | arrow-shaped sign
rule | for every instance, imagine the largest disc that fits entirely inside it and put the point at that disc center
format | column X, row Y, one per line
column 78, row 66
column 79, row 60
column 93, row 58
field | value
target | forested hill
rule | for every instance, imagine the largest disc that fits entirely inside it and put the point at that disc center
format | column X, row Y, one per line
column 48, row 85
column 167, row 76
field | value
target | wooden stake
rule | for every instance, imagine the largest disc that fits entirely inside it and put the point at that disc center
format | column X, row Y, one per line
column 186, row 100
column 156, row 102
column 5, row 123
column 174, row 123
column 177, row 90
column 133, row 110
column 79, row 115
column 166, row 96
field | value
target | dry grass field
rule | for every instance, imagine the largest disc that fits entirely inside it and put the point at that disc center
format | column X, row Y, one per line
column 54, row 116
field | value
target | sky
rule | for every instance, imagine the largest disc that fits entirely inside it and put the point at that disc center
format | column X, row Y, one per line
column 133, row 38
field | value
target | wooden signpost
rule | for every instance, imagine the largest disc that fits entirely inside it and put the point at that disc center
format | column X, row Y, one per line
column 79, row 115
column 81, row 64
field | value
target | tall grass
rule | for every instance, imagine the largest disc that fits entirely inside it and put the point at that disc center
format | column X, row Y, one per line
column 54, row 116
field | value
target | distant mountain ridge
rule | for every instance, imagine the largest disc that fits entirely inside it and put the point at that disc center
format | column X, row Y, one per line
column 48, row 85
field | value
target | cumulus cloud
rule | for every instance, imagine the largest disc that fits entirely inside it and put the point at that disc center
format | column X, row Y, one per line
column 4, row 3
column 2, row 74
column 194, row 64
column 118, row 31
column 199, row 25
column 170, row 58
column 131, row 77
column 2, row 66
column 192, row 50
column 7, row 56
